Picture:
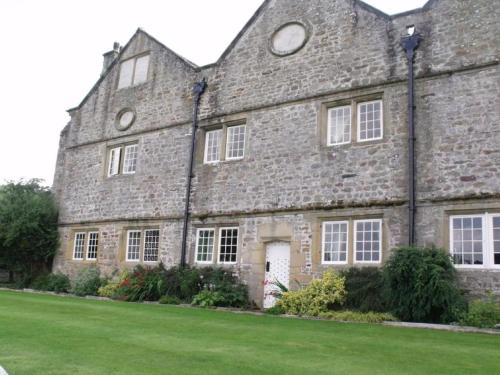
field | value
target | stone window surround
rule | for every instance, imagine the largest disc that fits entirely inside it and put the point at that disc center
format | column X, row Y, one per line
column 122, row 147
column 223, row 141
column 351, row 238
column 134, row 57
column 353, row 102
column 71, row 244
column 217, row 244
column 142, row 229
column 487, row 250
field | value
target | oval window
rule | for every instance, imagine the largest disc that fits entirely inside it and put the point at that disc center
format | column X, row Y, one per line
column 289, row 38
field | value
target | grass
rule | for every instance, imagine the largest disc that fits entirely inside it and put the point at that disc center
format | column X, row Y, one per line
column 43, row 334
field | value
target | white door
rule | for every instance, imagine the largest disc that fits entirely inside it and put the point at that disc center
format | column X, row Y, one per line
column 277, row 268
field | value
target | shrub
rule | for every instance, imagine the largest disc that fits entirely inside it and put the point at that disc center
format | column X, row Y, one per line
column 356, row 316
column 108, row 290
column 52, row 282
column 208, row 298
column 482, row 314
column 317, row 297
column 275, row 310
column 183, row 282
column 142, row 284
column 421, row 285
column 169, row 300
column 364, row 288
column 87, row 282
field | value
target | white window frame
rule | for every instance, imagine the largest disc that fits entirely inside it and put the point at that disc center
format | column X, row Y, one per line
column 133, row 74
column 358, row 118
column 82, row 247
column 96, row 245
column 220, row 244
column 328, row 125
column 487, row 243
column 211, row 261
column 355, row 241
column 144, row 247
column 323, row 242
column 125, row 149
column 114, row 161
column 229, row 128
column 127, row 258
column 205, row 157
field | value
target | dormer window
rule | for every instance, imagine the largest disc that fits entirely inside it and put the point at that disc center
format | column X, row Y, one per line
column 133, row 71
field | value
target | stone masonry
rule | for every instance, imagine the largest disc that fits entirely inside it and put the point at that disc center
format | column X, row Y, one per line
column 290, row 181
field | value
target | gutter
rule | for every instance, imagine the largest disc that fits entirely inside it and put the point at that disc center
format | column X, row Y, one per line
column 198, row 90
column 410, row 44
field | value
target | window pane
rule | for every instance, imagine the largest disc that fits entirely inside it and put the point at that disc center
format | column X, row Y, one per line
column 141, row 69
column 467, row 240
column 92, row 245
column 496, row 239
column 78, row 245
column 133, row 245
column 130, row 159
column 335, row 241
column 126, row 71
column 212, row 145
column 114, row 161
column 228, row 245
column 339, row 125
column 151, row 244
column 370, row 120
column 368, row 240
column 235, row 146
column 205, row 245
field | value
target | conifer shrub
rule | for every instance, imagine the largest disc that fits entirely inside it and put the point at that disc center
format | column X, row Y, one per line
column 365, row 289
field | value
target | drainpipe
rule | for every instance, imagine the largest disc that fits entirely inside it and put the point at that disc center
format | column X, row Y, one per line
column 198, row 90
column 410, row 44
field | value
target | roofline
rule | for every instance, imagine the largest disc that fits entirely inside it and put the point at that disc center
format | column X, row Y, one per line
column 423, row 8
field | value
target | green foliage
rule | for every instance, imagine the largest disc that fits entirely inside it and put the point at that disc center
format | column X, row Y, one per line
column 275, row 310
column 28, row 228
column 108, row 290
column 208, row 298
column 142, row 284
column 317, row 297
column 183, row 282
column 364, row 287
column 52, row 282
column 421, row 285
column 357, row 316
column 87, row 282
column 169, row 300
column 482, row 314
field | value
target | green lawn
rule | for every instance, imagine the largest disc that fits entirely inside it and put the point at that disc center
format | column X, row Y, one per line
column 42, row 334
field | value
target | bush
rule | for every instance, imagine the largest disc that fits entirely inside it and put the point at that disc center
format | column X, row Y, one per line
column 169, row 300
column 364, row 287
column 317, row 297
column 356, row 316
column 142, row 284
column 87, row 282
column 421, row 285
column 275, row 310
column 183, row 283
column 208, row 298
column 482, row 314
column 233, row 292
column 53, row 282
column 108, row 290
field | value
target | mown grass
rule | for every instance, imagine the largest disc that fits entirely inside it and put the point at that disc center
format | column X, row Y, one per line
column 42, row 334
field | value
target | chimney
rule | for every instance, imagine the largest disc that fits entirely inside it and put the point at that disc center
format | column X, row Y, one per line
column 110, row 56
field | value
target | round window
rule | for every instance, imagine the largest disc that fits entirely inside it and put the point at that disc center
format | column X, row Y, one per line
column 289, row 38
column 125, row 119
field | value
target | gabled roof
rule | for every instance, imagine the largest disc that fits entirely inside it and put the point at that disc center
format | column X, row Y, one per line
column 235, row 41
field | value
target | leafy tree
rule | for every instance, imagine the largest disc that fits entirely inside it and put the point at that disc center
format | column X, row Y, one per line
column 28, row 228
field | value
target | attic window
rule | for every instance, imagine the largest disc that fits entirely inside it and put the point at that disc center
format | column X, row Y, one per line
column 133, row 71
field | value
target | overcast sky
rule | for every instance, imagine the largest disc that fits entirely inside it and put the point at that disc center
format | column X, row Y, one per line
column 52, row 56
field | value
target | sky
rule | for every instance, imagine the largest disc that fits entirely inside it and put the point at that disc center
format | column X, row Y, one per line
column 52, row 56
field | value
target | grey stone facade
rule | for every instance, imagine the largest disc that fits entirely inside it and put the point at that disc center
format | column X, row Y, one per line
column 289, row 181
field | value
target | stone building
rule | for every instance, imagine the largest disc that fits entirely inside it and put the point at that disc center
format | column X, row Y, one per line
column 301, row 152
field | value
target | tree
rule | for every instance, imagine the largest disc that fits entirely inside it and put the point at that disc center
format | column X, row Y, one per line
column 28, row 228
